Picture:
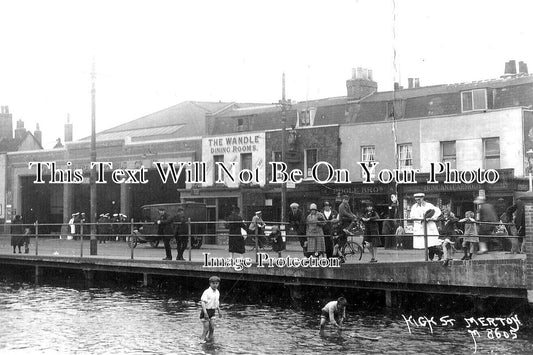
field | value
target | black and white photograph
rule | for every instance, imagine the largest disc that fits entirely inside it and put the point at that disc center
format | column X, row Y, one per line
column 266, row 177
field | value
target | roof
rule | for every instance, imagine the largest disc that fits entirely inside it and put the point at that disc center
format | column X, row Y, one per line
column 449, row 88
column 19, row 144
column 185, row 119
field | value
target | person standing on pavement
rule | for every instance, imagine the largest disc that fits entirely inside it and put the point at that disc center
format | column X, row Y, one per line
column 163, row 231
column 181, row 232
column 315, row 222
column 371, row 234
column 296, row 221
column 330, row 229
column 485, row 213
column 424, row 212
column 235, row 224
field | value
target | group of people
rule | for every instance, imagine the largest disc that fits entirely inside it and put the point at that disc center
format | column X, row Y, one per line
column 444, row 231
column 325, row 232
column 334, row 311
column 173, row 227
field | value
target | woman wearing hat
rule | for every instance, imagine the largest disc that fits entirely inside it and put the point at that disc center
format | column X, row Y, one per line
column 315, row 222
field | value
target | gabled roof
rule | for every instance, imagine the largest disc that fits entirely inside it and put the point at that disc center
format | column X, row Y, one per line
column 18, row 144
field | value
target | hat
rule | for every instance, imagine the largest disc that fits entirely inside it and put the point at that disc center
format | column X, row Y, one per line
column 312, row 207
column 419, row 194
column 429, row 213
column 257, row 212
column 326, row 203
column 480, row 199
column 294, row 205
column 345, row 197
column 214, row 279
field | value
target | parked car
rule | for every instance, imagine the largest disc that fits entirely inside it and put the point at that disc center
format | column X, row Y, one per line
column 146, row 232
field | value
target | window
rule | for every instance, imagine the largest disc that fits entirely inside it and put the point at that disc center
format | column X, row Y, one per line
column 405, row 156
column 243, row 124
column 246, row 161
column 448, row 154
column 491, row 153
column 304, row 118
column 474, row 100
column 218, row 159
column 276, row 156
column 368, row 153
column 310, row 159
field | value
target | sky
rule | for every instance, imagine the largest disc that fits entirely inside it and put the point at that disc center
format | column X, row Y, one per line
column 150, row 55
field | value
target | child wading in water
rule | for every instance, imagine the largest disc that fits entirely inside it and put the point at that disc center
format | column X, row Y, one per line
column 335, row 312
column 210, row 304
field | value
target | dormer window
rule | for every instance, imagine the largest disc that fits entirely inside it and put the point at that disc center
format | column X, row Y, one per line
column 243, row 124
column 306, row 117
column 474, row 100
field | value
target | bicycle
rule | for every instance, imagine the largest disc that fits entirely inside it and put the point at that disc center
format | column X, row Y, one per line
column 265, row 243
column 352, row 249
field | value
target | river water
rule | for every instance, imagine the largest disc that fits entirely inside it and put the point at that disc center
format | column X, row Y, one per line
column 65, row 320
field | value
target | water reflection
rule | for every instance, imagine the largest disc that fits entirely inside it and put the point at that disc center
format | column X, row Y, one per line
column 107, row 321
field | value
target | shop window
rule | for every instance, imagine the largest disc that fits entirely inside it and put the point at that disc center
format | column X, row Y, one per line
column 491, row 153
column 310, row 159
column 217, row 159
column 474, row 100
column 405, row 156
column 448, row 153
column 276, row 156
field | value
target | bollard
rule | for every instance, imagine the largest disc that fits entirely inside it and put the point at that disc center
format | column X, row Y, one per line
column 132, row 239
column 256, row 243
column 426, row 239
column 527, row 198
column 36, row 237
column 81, row 238
column 189, row 236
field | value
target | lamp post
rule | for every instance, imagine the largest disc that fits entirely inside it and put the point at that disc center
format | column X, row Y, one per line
column 93, row 242
column 529, row 155
column 283, row 103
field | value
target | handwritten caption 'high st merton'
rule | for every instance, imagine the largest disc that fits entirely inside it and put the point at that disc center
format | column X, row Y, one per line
column 492, row 328
column 195, row 173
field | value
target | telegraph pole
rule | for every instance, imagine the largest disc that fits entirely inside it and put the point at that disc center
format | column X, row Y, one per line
column 284, row 105
column 94, row 242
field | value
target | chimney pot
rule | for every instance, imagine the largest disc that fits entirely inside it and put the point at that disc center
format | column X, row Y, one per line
column 522, row 67
column 510, row 67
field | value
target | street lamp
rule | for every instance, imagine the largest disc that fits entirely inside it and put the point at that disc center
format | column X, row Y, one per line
column 529, row 155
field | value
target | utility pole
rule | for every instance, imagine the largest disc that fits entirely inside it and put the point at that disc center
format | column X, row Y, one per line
column 94, row 242
column 284, row 104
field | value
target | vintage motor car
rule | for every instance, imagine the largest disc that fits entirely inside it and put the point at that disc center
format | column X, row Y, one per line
column 146, row 231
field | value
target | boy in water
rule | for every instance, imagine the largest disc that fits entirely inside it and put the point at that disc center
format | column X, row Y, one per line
column 335, row 311
column 210, row 303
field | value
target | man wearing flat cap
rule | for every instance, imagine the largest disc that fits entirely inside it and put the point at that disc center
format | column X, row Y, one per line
column 423, row 210
column 296, row 221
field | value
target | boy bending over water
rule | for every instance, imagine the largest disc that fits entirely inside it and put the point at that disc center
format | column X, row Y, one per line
column 335, row 311
column 210, row 304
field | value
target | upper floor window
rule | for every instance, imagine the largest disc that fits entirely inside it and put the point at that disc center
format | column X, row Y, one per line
column 310, row 159
column 246, row 161
column 218, row 159
column 491, row 153
column 474, row 100
column 405, row 156
column 306, row 117
column 448, row 154
column 243, row 124
column 368, row 153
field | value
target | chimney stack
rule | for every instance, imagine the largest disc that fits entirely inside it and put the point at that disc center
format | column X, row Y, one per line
column 417, row 82
column 6, row 123
column 410, row 81
column 510, row 68
column 361, row 84
column 68, row 130
column 20, row 131
column 38, row 134
column 397, row 86
column 522, row 67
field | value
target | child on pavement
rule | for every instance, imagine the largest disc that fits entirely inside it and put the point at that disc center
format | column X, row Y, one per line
column 210, row 304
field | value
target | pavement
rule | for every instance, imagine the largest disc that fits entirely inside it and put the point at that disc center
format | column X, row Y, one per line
column 120, row 250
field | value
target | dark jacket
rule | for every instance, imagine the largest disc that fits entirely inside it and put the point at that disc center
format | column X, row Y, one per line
column 520, row 217
column 330, row 228
column 296, row 221
column 179, row 225
column 371, row 226
column 164, row 227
